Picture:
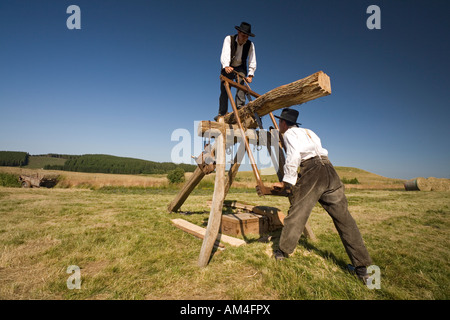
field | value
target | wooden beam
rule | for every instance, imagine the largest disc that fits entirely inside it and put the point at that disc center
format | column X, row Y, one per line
column 312, row 87
column 215, row 215
column 309, row 232
column 188, row 187
column 247, row 145
column 208, row 128
column 184, row 193
column 200, row 232
column 239, row 86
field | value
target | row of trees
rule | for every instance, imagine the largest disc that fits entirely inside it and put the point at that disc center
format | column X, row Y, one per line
column 56, row 155
column 13, row 158
column 99, row 163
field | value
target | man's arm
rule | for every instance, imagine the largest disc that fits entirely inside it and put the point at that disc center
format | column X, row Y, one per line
column 251, row 63
column 225, row 57
column 293, row 158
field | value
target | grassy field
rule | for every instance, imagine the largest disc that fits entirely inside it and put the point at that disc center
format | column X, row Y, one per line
column 127, row 248
column 244, row 179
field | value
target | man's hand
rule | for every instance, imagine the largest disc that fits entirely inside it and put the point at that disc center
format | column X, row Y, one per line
column 278, row 189
column 249, row 79
column 229, row 69
column 279, row 185
column 262, row 190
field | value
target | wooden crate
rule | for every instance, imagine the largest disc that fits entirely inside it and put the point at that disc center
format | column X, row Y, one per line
column 244, row 224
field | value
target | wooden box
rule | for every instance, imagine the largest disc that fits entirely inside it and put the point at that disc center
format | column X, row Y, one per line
column 244, row 224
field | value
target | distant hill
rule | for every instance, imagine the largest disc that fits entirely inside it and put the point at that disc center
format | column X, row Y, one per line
column 351, row 177
column 13, row 158
column 91, row 163
column 40, row 161
column 103, row 163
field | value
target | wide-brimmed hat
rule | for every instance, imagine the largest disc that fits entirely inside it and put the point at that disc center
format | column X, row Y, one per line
column 245, row 28
column 290, row 115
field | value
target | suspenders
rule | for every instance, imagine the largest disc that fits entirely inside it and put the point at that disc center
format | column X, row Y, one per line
column 315, row 146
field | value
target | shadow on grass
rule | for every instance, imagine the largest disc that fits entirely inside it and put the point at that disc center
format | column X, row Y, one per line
column 274, row 238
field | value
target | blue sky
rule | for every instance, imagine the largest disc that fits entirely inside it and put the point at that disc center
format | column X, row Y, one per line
column 138, row 70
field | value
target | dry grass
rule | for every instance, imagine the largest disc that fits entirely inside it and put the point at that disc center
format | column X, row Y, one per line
column 94, row 180
column 244, row 179
column 127, row 248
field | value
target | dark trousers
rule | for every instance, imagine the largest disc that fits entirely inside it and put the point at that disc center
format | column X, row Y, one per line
column 320, row 182
column 240, row 95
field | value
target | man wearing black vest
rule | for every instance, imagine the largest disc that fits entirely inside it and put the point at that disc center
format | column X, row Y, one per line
column 237, row 50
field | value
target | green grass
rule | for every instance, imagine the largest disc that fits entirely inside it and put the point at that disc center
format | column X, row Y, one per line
column 350, row 181
column 127, row 248
column 9, row 180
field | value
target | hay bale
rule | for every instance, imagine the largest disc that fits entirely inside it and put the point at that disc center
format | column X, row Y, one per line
column 411, row 185
column 430, row 184
column 423, row 184
column 439, row 184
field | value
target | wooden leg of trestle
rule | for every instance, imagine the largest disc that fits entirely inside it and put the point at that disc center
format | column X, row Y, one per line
column 309, row 232
column 234, row 167
column 184, row 193
column 187, row 188
column 215, row 215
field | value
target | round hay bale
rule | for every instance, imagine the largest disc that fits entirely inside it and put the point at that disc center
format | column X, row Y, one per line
column 439, row 184
column 423, row 184
column 411, row 185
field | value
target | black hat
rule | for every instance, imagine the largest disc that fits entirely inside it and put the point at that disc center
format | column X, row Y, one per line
column 290, row 115
column 245, row 28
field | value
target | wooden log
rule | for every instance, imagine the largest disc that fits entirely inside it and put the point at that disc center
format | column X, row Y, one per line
column 200, row 232
column 215, row 215
column 312, row 87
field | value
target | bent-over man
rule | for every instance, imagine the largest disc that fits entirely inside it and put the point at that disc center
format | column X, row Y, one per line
column 318, row 181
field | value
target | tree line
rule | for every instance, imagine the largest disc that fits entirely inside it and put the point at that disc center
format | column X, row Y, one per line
column 13, row 158
column 56, row 155
column 99, row 163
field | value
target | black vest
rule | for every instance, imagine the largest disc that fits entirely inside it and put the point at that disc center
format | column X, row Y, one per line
column 245, row 50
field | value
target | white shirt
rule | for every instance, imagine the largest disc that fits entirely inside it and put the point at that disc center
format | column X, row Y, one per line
column 299, row 147
column 225, row 57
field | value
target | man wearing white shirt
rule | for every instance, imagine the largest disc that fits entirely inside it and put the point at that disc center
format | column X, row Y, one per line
column 237, row 51
column 317, row 181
